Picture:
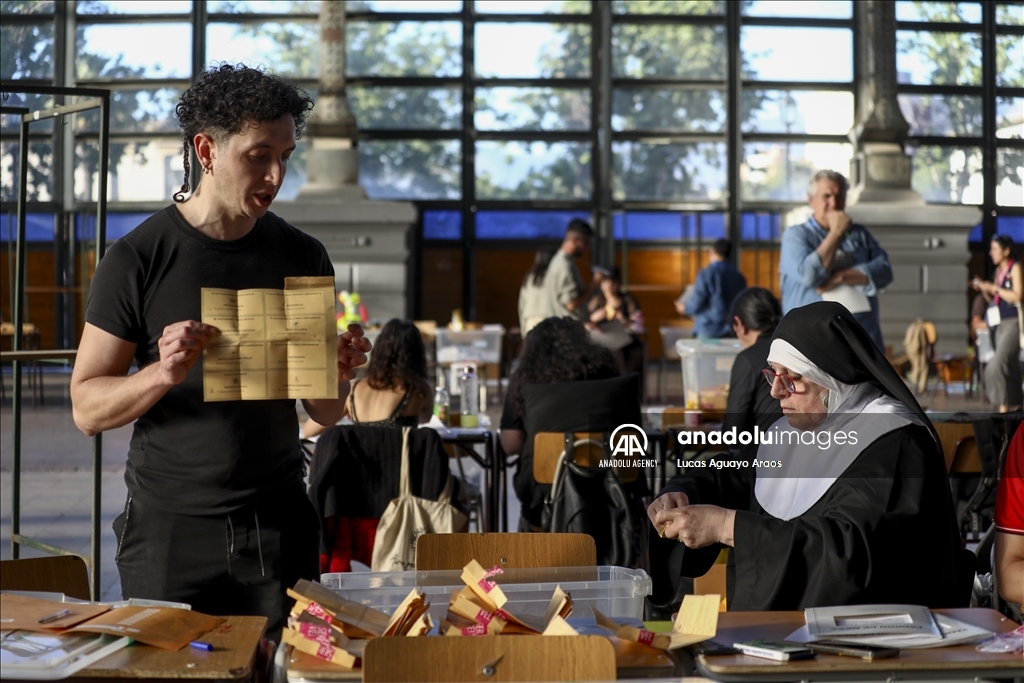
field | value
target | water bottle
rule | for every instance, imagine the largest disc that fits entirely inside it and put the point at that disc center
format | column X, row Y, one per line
column 470, row 397
column 441, row 404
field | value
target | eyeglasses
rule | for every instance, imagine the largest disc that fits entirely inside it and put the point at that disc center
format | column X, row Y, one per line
column 787, row 381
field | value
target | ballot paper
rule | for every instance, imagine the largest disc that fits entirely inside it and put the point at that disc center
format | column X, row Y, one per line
column 273, row 343
column 849, row 296
column 951, row 632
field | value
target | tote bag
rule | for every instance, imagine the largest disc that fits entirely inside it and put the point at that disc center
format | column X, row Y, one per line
column 409, row 517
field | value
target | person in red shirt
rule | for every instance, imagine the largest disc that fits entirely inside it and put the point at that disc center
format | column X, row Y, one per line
column 1010, row 524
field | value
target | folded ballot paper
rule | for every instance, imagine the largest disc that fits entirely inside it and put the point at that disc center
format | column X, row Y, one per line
column 333, row 629
column 696, row 622
column 482, row 608
column 901, row 626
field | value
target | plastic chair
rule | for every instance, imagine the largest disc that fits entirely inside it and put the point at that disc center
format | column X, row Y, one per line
column 508, row 550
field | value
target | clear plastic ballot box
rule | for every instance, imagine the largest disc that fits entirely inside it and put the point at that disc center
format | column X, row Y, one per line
column 615, row 591
column 707, row 364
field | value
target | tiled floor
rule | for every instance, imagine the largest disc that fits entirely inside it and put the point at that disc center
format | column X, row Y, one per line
column 56, row 489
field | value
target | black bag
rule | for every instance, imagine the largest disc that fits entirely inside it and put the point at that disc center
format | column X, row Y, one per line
column 591, row 501
column 975, row 495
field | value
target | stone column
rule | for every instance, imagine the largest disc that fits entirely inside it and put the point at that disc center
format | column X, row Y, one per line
column 880, row 170
column 332, row 166
column 927, row 244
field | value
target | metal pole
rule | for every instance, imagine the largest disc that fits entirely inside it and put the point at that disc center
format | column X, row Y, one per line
column 97, row 441
column 19, row 319
column 735, row 146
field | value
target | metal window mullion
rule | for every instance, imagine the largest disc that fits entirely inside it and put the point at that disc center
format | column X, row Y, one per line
column 673, row 19
column 468, row 162
column 988, row 121
column 98, row 19
column 601, row 138
column 734, row 148
column 942, row 26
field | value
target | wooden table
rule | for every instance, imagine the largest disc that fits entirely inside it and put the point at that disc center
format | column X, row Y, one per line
column 962, row 661
column 233, row 657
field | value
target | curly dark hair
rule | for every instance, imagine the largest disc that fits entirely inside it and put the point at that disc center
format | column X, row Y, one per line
column 559, row 350
column 225, row 98
column 398, row 359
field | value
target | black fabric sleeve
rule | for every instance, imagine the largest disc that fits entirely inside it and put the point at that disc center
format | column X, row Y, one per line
column 115, row 294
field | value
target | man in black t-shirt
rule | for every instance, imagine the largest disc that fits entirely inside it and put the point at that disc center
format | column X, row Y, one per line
column 216, row 514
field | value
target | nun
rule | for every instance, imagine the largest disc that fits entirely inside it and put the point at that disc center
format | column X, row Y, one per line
column 846, row 501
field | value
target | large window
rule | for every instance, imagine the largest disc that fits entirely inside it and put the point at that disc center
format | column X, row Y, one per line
column 665, row 121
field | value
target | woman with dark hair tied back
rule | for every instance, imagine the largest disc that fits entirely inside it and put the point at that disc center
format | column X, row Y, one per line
column 1002, row 373
column 755, row 313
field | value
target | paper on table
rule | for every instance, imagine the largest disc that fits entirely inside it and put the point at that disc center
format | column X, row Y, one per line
column 164, row 627
column 851, row 297
column 867, row 620
column 611, row 335
column 23, row 612
column 953, row 632
column 274, row 344
column 696, row 621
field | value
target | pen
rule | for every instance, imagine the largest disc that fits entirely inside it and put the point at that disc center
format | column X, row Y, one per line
column 55, row 616
column 200, row 645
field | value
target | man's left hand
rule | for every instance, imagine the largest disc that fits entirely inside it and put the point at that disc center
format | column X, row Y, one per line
column 848, row 276
column 352, row 350
column 698, row 526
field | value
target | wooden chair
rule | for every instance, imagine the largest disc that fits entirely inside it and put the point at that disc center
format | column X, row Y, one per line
column 497, row 658
column 65, row 574
column 951, row 434
column 508, row 551
column 549, row 446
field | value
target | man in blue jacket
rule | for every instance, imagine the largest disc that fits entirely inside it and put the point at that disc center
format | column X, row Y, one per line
column 829, row 257
column 712, row 295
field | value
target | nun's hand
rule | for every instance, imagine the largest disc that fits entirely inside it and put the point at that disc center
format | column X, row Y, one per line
column 698, row 526
column 663, row 503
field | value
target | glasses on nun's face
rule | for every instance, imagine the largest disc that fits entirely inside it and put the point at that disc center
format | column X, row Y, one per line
column 787, row 381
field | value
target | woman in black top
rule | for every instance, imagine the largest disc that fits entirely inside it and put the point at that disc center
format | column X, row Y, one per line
column 755, row 313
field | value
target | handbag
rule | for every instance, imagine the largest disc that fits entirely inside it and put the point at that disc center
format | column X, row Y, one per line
column 592, row 501
column 408, row 517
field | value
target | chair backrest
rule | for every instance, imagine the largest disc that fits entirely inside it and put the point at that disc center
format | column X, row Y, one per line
column 950, row 435
column 508, row 551
column 966, row 457
column 510, row 658
column 65, row 574
column 549, row 446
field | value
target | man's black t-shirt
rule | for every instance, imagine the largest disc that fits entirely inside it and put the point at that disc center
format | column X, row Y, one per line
column 187, row 455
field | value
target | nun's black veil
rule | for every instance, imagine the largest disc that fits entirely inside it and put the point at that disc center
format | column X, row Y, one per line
column 831, row 338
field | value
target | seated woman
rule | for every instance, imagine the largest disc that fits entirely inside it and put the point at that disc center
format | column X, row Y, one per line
column 611, row 303
column 395, row 392
column 755, row 313
column 855, row 509
column 556, row 350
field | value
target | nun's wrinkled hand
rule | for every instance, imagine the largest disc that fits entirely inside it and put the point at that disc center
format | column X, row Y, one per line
column 698, row 526
column 657, row 510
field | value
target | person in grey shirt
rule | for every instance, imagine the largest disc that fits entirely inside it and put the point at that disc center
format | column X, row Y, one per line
column 563, row 291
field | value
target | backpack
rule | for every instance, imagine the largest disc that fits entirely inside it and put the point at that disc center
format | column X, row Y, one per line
column 591, row 501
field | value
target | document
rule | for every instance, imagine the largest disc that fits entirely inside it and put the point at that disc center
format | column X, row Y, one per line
column 952, row 632
column 851, row 297
column 869, row 620
column 274, row 344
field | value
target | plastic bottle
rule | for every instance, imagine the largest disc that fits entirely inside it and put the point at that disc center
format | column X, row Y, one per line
column 470, row 397
column 441, row 404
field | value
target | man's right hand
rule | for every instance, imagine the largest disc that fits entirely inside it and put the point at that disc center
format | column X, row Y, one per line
column 668, row 501
column 180, row 346
column 839, row 222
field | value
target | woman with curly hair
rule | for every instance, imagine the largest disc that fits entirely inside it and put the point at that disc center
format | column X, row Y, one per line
column 558, row 351
column 395, row 392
